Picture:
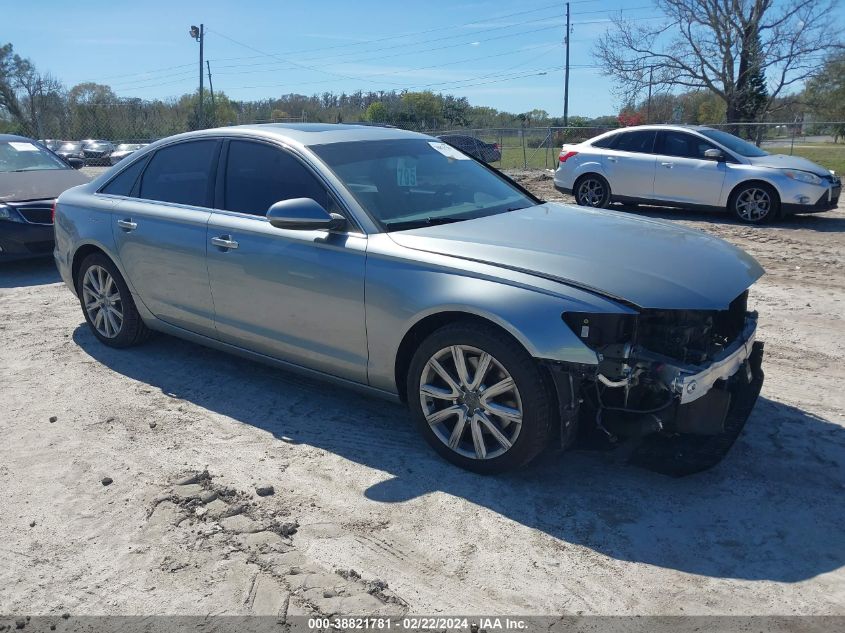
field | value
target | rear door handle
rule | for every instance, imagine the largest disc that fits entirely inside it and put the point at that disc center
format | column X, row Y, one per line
column 668, row 165
column 224, row 241
column 127, row 224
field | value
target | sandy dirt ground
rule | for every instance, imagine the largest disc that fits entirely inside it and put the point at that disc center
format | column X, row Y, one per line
column 129, row 479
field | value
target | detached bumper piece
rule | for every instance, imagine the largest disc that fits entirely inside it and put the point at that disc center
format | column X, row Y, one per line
column 707, row 427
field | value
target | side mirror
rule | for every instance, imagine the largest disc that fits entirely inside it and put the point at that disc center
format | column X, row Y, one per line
column 303, row 214
column 714, row 154
column 76, row 163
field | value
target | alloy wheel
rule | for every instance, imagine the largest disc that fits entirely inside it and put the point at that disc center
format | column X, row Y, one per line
column 591, row 193
column 753, row 204
column 471, row 402
column 102, row 301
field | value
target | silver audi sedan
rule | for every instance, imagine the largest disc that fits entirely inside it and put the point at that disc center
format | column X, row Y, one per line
column 389, row 261
column 694, row 167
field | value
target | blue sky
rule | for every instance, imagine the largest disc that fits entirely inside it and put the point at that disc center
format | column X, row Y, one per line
column 490, row 52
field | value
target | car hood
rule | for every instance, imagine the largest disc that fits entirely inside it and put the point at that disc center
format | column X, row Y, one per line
column 645, row 262
column 38, row 185
column 782, row 161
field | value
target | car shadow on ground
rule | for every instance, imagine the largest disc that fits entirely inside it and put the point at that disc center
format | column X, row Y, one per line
column 29, row 272
column 829, row 222
column 772, row 510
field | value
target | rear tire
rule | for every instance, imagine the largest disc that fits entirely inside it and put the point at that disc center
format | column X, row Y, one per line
column 592, row 190
column 490, row 422
column 107, row 304
column 754, row 203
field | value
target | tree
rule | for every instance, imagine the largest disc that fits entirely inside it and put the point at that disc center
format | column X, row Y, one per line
column 456, row 110
column 422, row 108
column 376, row 112
column 825, row 93
column 8, row 90
column 729, row 47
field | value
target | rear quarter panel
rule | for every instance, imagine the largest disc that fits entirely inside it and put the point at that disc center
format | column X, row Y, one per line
column 586, row 161
column 83, row 218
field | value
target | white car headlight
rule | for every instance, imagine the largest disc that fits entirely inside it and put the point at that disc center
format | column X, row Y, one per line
column 5, row 212
column 802, row 176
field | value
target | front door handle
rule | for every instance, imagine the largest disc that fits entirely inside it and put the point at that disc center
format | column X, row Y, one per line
column 668, row 165
column 224, row 241
column 127, row 224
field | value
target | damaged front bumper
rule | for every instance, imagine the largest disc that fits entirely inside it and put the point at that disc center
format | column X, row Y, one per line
column 680, row 454
column 681, row 416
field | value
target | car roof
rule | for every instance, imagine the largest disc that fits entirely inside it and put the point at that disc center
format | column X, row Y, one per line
column 14, row 137
column 663, row 126
column 308, row 134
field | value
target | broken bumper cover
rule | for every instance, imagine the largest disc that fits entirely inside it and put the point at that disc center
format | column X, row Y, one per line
column 728, row 406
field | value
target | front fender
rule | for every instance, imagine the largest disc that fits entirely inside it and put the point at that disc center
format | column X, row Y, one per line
column 400, row 293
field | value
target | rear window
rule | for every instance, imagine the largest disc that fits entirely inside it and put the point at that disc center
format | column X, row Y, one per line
column 122, row 184
column 181, row 173
column 607, row 142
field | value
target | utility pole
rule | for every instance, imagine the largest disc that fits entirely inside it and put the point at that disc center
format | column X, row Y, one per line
column 211, row 90
column 648, row 103
column 199, row 35
column 566, row 73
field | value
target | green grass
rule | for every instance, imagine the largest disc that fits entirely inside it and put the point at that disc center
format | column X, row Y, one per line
column 542, row 158
column 827, row 155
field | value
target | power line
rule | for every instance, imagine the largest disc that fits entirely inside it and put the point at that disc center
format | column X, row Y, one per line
column 347, row 45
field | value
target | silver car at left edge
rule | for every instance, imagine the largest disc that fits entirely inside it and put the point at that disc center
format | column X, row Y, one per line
column 391, row 262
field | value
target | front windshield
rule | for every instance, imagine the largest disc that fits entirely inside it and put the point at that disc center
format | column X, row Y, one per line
column 734, row 143
column 410, row 183
column 26, row 156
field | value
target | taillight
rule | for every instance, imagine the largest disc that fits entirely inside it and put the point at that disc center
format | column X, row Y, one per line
column 566, row 156
column 53, row 213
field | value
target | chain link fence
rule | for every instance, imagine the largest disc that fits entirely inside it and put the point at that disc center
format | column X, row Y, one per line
column 538, row 148
column 506, row 148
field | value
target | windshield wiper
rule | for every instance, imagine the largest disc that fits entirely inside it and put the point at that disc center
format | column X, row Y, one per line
column 416, row 224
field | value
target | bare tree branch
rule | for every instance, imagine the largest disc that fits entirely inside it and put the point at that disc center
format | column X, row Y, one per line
column 722, row 46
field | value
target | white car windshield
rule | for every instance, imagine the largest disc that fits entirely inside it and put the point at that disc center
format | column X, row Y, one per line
column 410, row 183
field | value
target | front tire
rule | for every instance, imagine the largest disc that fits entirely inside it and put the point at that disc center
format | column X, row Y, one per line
column 479, row 399
column 107, row 303
column 591, row 190
column 754, row 203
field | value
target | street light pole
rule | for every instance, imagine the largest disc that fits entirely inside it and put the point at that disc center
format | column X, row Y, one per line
column 199, row 35
column 566, row 74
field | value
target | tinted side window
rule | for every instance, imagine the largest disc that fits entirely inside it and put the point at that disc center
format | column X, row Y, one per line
column 606, row 142
column 684, row 145
column 122, row 184
column 259, row 175
column 641, row 141
column 180, row 173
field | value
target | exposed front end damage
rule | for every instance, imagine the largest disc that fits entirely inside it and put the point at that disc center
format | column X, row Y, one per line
column 678, row 383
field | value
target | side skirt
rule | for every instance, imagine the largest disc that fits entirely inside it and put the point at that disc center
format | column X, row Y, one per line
column 160, row 326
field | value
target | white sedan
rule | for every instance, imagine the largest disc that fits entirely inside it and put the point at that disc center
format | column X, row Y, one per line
column 693, row 167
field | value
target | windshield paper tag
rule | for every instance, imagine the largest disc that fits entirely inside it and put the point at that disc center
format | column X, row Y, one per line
column 406, row 173
column 448, row 151
column 23, row 147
